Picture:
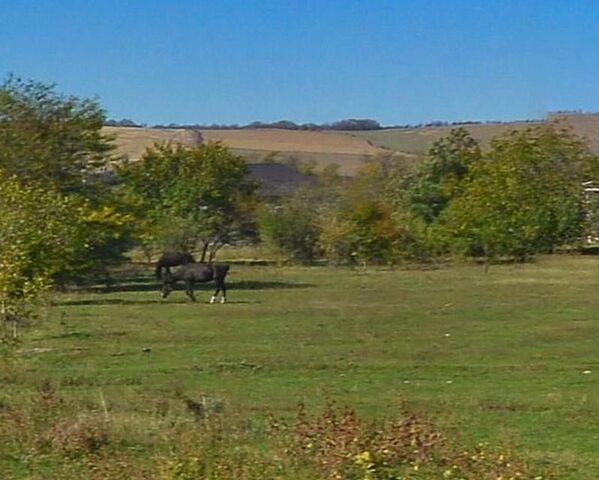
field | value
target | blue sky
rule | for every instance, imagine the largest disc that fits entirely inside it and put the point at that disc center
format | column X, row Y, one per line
column 229, row 61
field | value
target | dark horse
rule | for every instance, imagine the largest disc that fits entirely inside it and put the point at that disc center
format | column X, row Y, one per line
column 172, row 259
column 197, row 272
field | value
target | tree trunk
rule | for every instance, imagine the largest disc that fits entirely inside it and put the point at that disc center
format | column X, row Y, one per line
column 215, row 248
column 204, row 251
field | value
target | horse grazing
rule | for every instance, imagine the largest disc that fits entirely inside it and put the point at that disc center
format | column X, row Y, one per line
column 197, row 272
column 172, row 259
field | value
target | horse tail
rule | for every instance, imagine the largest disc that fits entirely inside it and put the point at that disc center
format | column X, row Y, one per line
column 158, row 271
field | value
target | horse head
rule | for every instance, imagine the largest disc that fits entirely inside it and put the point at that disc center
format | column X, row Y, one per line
column 167, row 284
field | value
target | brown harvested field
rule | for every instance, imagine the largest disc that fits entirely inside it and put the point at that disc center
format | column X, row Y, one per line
column 132, row 141
column 347, row 149
column 323, row 148
column 280, row 140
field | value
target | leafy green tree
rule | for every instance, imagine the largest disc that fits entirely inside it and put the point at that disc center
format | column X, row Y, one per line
column 190, row 197
column 42, row 235
column 52, row 139
column 524, row 198
column 438, row 178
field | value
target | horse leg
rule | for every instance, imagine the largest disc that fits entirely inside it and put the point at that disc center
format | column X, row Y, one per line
column 220, row 287
column 189, row 290
column 213, row 299
column 224, row 289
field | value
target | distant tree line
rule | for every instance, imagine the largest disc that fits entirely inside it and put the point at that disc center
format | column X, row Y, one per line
column 124, row 122
column 350, row 124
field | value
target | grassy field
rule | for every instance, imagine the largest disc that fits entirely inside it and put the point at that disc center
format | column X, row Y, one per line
column 417, row 141
column 504, row 356
column 586, row 126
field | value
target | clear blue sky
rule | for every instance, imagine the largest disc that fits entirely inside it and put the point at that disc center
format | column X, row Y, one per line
column 237, row 61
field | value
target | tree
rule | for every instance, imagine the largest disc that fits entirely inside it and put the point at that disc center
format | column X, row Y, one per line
column 52, row 139
column 438, row 178
column 295, row 223
column 364, row 226
column 42, row 234
column 292, row 225
column 190, row 197
column 525, row 197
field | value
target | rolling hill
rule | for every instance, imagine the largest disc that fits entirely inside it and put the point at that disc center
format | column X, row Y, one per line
column 417, row 141
column 323, row 148
column 347, row 149
column 132, row 141
column 255, row 144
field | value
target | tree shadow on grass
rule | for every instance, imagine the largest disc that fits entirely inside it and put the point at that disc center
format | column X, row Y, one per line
column 154, row 286
column 266, row 285
column 108, row 301
column 122, row 287
column 123, row 301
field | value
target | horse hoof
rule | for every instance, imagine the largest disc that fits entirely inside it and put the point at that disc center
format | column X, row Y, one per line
column 223, row 300
column 213, row 299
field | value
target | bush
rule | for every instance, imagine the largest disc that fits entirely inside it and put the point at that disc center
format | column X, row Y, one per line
column 293, row 225
column 290, row 228
column 46, row 237
column 39, row 238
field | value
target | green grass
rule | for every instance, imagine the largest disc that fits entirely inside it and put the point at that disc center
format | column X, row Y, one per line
column 495, row 356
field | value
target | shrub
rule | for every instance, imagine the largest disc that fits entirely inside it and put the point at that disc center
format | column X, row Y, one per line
column 42, row 433
column 79, row 435
column 292, row 226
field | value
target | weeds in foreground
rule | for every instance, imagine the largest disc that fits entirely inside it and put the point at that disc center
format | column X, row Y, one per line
column 343, row 446
column 41, row 437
